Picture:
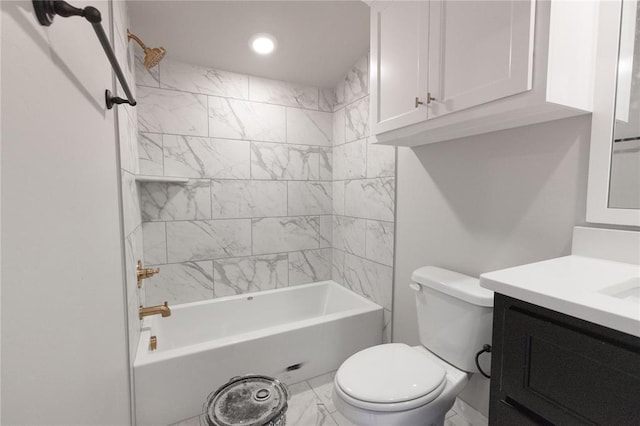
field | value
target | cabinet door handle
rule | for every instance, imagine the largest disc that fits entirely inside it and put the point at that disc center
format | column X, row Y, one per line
column 419, row 102
column 430, row 98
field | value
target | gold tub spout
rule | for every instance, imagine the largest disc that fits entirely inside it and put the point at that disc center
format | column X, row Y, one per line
column 155, row 310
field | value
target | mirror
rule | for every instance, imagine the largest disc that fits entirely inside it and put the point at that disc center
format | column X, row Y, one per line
column 624, row 182
column 613, row 194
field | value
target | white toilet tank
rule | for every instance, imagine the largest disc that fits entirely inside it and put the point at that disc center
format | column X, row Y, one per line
column 455, row 316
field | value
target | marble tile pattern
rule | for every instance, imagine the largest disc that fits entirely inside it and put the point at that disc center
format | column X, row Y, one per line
column 350, row 160
column 164, row 202
column 326, row 231
column 208, row 239
column 349, row 234
column 356, row 83
column 283, row 93
column 326, row 163
column 258, row 203
column 130, row 203
column 200, row 157
column 284, row 162
column 311, row 403
column 370, row 198
column 363, row 196
column 285, row 188
column 246, row 120
column 155, row 243
column 181, row 283
column 248, row 198
column 150, row 154
column 309, row 127
column 379, row 242
column 327, row 99
column 196, row 79
column 170, row 111
column 369, row 279
column 309, row 266
column 285, row 234
column 249, row 274
column 357, row 120
column 309, row 198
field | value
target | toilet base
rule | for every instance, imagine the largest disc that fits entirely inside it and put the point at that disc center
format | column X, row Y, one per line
column 432, row 414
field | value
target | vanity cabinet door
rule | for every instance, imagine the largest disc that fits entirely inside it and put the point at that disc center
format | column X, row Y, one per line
column 554, row 369
column 399, row 43
column 479, row 51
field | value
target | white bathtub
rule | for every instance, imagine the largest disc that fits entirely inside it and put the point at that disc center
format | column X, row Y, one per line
column 203, row 344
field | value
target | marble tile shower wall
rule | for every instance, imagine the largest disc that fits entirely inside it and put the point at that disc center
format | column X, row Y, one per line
column 285, row 186
column 363, row 196
column 256, row 213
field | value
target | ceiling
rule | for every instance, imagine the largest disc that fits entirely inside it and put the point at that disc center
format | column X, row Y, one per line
column 318, row 41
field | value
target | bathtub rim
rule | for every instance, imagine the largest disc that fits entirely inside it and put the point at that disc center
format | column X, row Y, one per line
column 145, row 357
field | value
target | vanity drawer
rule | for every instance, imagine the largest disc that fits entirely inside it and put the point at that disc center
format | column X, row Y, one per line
column 559, row 370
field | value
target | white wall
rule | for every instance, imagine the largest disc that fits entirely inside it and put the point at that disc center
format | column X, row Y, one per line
column 487, row 202
column 64, row 347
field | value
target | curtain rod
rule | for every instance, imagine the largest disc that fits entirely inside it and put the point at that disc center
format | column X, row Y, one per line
column 46, row 10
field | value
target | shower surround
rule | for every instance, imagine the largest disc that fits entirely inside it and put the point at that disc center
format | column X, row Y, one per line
column 284, row 186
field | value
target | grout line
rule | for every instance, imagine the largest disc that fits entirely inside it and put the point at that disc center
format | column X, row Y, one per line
column 166, row 242
column 188, row 92
column 302, row 145
column 268, row 217
column 280, row 253
column 208, row 119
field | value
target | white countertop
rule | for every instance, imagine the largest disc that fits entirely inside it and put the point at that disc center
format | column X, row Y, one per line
column 601, row 291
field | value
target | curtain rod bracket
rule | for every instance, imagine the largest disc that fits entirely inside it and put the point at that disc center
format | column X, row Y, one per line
column 46, row 10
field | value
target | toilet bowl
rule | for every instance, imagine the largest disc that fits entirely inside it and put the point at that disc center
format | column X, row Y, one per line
column 395, row 384
column 389, row 398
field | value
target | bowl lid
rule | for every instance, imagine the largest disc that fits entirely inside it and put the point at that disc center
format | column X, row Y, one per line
column 389, row 373
column 247, row 400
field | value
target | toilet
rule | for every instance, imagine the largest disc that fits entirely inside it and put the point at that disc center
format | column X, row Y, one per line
column 396, row 384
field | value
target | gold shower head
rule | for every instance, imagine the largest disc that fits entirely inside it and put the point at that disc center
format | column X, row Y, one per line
column 152, row 57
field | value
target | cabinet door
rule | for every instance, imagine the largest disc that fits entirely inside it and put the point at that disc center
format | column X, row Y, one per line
column 558, row 374
column 479, row 51
column 399, row 43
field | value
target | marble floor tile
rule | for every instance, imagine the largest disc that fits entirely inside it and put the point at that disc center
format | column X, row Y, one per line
column 457, row 420
column 306, row 409
column 341, row 420
column 193, row 421
column 323, row 387
column 310, row 405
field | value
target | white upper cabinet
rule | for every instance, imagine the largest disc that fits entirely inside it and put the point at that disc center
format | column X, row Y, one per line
column 479, row 51
column 444, row 69
column 402, row 41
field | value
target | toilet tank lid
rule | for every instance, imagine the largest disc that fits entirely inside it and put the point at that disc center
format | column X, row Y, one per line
column 453, row 284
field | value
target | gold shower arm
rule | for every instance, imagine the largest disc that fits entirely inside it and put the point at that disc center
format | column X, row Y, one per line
column 130, row 36
column 151, row 56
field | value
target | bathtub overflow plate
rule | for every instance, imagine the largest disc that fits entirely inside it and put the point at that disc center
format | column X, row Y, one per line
column 262, row 394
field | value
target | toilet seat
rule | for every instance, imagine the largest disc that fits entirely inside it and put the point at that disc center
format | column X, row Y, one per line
column 402, row 378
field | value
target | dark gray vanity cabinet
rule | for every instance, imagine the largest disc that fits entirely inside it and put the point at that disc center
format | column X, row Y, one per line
column 552, row 369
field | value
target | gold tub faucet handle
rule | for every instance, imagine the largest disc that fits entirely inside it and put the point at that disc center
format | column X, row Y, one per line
column 143, row 273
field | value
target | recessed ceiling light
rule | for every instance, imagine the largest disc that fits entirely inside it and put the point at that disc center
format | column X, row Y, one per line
column 263, row 43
